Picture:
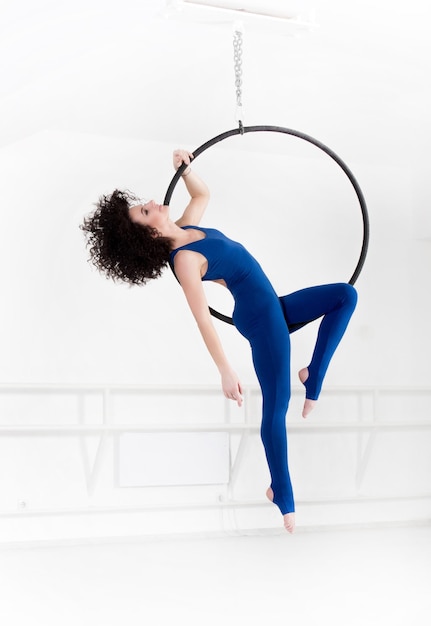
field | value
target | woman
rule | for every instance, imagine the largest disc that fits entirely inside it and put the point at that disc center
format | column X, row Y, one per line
column 133, row 241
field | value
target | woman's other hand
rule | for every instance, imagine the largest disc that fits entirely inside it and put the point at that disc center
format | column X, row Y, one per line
column 231, row 386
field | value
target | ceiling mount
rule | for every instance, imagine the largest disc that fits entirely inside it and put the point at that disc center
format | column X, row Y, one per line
column 250, row 12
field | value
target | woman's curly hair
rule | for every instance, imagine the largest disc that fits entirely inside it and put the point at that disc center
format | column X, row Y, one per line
column 120, row 248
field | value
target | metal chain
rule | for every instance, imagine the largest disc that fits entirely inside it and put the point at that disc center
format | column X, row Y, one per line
column 237, row 57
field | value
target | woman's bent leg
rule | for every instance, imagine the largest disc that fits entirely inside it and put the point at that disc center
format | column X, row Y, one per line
column 336, row 303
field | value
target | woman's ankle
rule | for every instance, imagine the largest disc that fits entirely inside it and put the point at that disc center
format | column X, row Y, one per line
column 303, row 375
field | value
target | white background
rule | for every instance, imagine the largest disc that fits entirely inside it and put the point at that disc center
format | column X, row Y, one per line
column 96, row 95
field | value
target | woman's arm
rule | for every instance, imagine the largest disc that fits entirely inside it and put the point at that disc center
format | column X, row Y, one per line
column 199, row 192
column 188, row 270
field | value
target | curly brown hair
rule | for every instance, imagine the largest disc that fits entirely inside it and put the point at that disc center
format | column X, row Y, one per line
column 121, row 249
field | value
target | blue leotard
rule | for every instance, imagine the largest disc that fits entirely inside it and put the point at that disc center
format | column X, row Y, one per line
column 263, row 317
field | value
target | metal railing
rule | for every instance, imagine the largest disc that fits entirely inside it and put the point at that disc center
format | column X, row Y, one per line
column 368, row 421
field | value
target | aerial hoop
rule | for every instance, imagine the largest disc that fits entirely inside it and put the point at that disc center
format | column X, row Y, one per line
column 288, row 131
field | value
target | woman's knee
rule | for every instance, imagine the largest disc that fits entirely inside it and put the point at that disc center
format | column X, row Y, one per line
column 348, row 295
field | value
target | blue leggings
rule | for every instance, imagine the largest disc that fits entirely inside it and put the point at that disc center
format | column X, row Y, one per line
column 270, row 343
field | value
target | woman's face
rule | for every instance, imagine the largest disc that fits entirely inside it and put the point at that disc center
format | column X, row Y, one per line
column 149, row 214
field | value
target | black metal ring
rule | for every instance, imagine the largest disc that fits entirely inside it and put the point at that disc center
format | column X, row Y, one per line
column 318, row 144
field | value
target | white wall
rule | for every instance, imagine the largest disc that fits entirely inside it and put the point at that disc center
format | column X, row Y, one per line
column 95, row 98
column 64, row 323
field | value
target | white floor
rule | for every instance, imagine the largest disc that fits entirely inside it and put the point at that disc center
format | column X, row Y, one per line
column 344, row 577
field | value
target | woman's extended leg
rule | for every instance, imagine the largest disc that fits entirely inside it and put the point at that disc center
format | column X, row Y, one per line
column 271, row 358
column 270, row 343
column 336, row 303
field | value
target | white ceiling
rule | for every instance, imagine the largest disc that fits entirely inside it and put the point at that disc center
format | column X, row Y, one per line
column 359, row 81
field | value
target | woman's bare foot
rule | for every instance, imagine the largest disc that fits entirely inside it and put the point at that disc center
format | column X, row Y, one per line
column 308, row 407
column 289, row 518
column 289, row 522
column 308, row 404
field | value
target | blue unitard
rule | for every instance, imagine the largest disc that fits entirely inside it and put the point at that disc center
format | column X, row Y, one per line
column 263, row 318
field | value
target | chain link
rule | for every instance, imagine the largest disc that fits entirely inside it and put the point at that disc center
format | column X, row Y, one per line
column 237, row 57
